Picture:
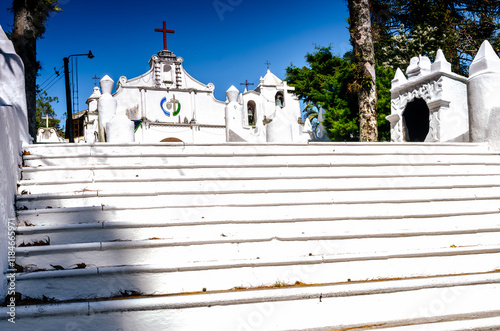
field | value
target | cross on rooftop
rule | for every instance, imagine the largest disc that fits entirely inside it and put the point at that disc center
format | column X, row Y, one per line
column 46, row 120
column 165, row 31
column 246, row 83
column 95, row 78
column 268, row 63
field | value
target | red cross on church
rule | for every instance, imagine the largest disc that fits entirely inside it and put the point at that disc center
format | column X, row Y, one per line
column 165, row 31
column 246, row 83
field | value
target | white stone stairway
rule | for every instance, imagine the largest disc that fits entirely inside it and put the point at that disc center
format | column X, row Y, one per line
column 258, row 237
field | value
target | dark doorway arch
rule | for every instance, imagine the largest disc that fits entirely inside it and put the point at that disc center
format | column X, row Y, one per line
column 416, row 121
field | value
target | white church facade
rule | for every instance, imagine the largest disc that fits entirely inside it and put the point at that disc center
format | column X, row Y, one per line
column 166, row 104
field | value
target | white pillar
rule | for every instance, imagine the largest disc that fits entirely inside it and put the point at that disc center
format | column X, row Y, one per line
column 233, row 115
column 12, row 90
column 483, row 88
column 106, row 105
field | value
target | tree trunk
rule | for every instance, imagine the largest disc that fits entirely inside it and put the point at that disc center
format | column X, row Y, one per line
column 24, row 40
column 362, row 41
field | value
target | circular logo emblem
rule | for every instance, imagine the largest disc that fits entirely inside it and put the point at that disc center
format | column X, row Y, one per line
column 171, row 104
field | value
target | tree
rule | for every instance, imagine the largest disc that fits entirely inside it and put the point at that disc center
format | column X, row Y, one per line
column 365, row 76
column 481, row 22
column 403, row 46
column 326, row 82
column 458, row 26
column 43, row 109
column 30, row 17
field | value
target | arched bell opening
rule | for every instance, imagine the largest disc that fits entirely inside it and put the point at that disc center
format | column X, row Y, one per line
column 416, row 121
column 251, row 113
column 279, row 99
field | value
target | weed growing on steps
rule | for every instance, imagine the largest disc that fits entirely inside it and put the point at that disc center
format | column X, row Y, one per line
column 25, row 300
column 279, row 284
column 128, row 293
column 43, row 242
column 57, row 267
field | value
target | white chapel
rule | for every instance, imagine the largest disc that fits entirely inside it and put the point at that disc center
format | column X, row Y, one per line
column 166, row 104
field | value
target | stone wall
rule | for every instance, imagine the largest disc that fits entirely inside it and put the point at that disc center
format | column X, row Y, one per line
column 10, row 149
column 13, row 134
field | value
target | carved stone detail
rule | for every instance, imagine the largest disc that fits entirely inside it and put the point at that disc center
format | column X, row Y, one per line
column 122, row 81
column 156, row 70
column 434, row 126
column 396, row 128
column 178, row 73
column 431, row 93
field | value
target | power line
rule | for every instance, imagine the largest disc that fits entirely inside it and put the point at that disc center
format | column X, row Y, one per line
column 54, row 83
column 51, row 76
column 73, row 82
column 51, row 79
column 76, row 74
column 49, row 83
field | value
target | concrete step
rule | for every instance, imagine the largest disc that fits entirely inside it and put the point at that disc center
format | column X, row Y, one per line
column 442, row 303
column 164, row 279
column 264, row 214
column 326, row 229
column 375, row 233
column 255, row 149
column 152, row 199
column 78, row 174
column 268, row 246
column 489, row 321
column 221, row 185
column 261, row 160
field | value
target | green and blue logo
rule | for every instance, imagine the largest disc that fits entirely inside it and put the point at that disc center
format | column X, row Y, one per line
column 172, row 104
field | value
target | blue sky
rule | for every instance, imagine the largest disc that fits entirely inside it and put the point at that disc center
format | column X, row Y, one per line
column 223, row 42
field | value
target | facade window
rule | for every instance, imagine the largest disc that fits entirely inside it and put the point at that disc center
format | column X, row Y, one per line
column 167, row 74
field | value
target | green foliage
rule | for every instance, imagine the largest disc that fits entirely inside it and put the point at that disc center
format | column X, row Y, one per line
column 406, row 44
column 311, row 112
column 324, row 83
column 480, row 21
column 37, row 13
column 384, row 79
column 458, row 27
column 44, row 108
column 30, row 17
column 328, row 82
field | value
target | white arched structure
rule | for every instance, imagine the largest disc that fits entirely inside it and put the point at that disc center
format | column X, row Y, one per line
column 445, row 94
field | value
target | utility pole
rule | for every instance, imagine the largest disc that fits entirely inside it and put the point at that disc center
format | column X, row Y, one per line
column 70, row 128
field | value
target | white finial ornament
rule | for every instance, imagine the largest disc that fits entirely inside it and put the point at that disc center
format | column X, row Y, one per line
column 441, row 64
column 399, row 79
column 486, row 60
